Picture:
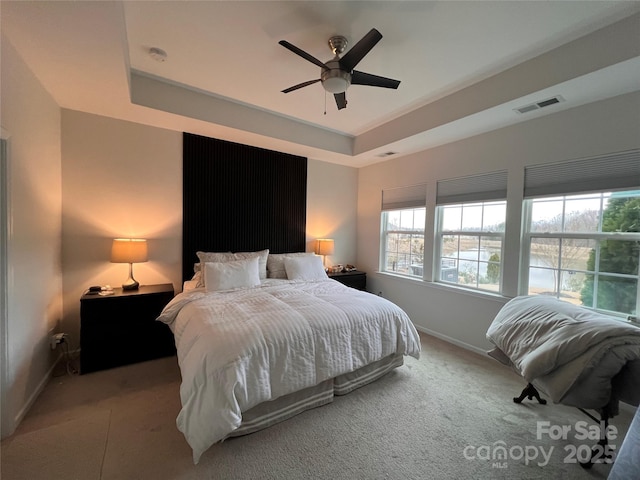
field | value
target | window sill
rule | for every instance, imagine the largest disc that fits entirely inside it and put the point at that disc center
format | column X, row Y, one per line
column 447, row 287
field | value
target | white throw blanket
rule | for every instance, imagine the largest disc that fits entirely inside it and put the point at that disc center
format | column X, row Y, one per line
column 240, row 348
column 555, row 344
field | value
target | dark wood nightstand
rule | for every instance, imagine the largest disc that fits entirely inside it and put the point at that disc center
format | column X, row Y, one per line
column 120, row 329
column 354, row 279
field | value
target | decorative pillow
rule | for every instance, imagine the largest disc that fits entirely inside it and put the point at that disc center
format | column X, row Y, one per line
column 218, row 257
column 189, row 285
column 275, row 263
column 304, row 268
column 219, row 276
column 198, row 276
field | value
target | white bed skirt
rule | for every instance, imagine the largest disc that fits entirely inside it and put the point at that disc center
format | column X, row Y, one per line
column 269, row 413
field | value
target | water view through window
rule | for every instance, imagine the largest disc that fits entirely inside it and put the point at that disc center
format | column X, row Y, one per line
column 471, row 239
column 585, row 249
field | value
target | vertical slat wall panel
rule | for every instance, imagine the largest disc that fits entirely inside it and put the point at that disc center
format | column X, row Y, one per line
column 240, row 198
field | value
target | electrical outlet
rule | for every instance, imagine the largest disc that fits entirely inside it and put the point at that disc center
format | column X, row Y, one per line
column 56, row 339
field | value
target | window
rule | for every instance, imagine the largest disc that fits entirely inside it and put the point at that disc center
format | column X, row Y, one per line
column 402, row 230
column 471, row 215
column 580, row 246
column 470, row 240
column 585, row 249
column 403, row 241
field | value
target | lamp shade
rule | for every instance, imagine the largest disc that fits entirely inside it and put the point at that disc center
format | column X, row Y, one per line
column 129, row 250
column 325, row 246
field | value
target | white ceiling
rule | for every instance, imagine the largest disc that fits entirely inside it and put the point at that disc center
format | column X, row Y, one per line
column 463, row 66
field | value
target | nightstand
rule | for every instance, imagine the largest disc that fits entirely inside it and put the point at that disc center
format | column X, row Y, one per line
column 120, row 329
column 354, row 279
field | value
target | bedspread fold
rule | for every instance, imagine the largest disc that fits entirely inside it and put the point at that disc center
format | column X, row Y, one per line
column 556, row 345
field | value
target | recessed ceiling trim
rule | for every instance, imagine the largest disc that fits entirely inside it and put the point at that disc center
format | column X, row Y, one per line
column 159, row 94
column 603, row 48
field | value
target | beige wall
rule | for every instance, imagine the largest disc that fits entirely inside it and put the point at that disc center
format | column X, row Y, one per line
column 31, row 121
column 332, row 195
column 119, row 179
column 125, row 179
column 602, row 127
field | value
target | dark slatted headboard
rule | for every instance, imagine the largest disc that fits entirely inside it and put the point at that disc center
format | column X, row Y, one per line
column 240, row 198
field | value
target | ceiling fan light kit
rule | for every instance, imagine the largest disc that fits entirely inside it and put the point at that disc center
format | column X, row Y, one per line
column 338, row 74
column 335, row 80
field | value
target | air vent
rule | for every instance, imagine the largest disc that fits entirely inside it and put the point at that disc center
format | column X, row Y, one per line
column 528, row 108
column 539, row 105
column 387, row 154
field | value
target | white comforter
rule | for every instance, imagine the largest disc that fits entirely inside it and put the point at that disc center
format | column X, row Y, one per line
column 240, row 348
column 558, row 346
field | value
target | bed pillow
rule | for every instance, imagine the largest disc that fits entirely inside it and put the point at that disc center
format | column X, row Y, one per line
column 275, row 263
column 189, row 285
column 218, row 257
column 304, row 268
column 219, row 276
column 197, row 276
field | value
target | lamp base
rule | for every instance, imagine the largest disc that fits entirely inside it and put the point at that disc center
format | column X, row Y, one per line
column 131, row 283
column 130, row 286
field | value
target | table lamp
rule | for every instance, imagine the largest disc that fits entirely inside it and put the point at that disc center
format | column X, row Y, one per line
column 129, row 250
column 324, row 247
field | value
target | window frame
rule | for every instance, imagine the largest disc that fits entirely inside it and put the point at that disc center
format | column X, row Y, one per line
column 440, row 233
column 384, row 233
column 596, row 236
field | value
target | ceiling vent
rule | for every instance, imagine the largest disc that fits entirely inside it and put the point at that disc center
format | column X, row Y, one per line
column 386, row 154
column 539, row 105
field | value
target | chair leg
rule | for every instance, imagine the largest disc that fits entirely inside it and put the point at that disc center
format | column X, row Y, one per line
column 530, row 392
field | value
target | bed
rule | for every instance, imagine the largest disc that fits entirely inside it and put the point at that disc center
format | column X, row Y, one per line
column 257, row 345
column 574, row 355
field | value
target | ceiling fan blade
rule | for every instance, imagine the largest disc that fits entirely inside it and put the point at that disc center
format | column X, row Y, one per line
column 361, row 78
column 302, row 53
column 341, row 100
column 300, row 85
column 360, row 49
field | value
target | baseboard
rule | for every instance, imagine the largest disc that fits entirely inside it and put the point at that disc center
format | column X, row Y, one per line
column 36, row 393
column 452, row 340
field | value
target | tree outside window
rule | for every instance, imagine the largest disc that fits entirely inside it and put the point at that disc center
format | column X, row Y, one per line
column 614, row 258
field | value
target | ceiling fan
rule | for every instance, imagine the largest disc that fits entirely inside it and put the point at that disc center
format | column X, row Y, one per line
column 338, row 73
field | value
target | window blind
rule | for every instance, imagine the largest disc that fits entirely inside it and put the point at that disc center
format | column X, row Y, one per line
column 475, row 188
column 614, row 171
column 413, row 196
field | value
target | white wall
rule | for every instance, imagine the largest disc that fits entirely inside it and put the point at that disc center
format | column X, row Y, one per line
column 602, row 127
column 31, row 120
column 125, row 179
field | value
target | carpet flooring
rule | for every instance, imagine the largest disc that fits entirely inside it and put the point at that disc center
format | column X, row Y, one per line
column 449, row 415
